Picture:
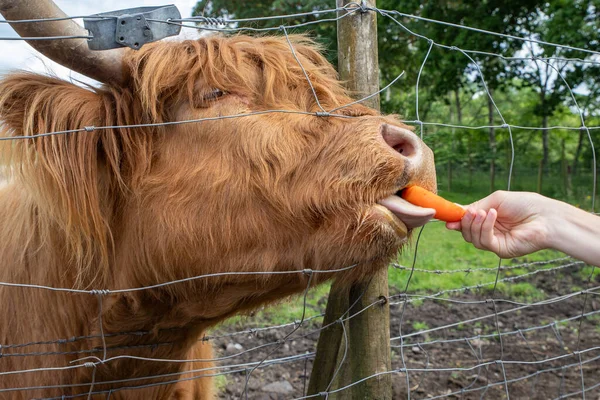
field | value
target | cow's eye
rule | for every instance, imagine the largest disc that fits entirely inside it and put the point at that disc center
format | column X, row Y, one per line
column 215, row 94
column 207, row 99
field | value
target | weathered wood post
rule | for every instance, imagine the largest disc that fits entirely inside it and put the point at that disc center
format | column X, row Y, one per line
column 369, row 331
column 330, row 348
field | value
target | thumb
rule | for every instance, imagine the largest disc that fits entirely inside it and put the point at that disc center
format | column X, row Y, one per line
column 491, row 201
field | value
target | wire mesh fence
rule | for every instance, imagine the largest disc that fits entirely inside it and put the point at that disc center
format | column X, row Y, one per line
column 468, row 339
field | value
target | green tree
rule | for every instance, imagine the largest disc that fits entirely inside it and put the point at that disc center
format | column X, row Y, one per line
column 551, row 75
column 454, row 70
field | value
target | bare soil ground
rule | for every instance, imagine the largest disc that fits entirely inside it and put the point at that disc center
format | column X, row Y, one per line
column 530, row 352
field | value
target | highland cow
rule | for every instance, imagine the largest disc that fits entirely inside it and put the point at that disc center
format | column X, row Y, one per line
column 129, row 205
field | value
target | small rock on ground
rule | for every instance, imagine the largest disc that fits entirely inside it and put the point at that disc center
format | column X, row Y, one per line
column 281, row 387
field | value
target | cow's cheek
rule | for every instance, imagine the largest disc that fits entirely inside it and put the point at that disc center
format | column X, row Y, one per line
column 355, row 240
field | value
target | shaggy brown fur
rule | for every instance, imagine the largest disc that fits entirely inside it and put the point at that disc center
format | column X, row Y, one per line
column 129, row 207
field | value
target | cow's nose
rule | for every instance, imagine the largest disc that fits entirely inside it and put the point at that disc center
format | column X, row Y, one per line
column 404, row 143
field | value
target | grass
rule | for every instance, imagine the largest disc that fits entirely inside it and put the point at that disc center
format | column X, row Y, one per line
column 420, row 326
column 585, row 272
column 289, row 311
column 220, row 382
column 285, row 312
column 443, row 250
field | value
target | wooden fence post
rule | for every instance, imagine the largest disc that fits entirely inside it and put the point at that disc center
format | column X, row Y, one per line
column 331, row 346
column 369, row 331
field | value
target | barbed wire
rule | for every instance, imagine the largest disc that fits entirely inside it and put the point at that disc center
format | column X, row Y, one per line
column 482, row 269
column 399, row 370
column 297, row 325
column 277, row 361
column 294, row 358
column 175, row 282
column 486, row 336
column 479, row 286
column 254, row 331
column 423, row 343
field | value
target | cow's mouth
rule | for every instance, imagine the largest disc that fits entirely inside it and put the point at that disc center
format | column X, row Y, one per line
column 403, row 215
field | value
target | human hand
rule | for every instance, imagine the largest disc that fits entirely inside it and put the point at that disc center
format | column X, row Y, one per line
column 510, row 224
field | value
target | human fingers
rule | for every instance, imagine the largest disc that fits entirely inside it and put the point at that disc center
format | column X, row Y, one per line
column 466, row 223
column 453, row 226
column 476, row 226
column 487, row 237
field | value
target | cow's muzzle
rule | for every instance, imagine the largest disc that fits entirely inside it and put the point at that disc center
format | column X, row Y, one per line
column 418, row 164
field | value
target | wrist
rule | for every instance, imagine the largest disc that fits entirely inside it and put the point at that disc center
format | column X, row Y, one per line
column 566, row 225
column 556, row 223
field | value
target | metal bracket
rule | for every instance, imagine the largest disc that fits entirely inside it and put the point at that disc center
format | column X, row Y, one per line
column 132, row 27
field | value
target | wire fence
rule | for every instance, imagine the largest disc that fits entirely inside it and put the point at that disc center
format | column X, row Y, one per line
column 480, row 345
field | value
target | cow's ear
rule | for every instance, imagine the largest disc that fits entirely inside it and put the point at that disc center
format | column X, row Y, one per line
column 75, row 134
column 61, row 157
column 31, row 104
column 50, row 123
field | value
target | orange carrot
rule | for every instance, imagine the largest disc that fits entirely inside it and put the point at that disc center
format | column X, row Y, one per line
column 444, row 209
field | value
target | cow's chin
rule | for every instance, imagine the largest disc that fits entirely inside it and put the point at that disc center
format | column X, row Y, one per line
column 383, row 236
column 394, row 219
column 380, row 235
column 387, row 218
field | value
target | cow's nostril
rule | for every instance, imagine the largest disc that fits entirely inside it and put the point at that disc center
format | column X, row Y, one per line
column 405, row 148
column 403, row 141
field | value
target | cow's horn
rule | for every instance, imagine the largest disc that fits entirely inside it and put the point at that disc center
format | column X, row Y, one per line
column 104, row 66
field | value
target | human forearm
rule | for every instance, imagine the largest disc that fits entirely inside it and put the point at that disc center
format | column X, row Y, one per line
column 574, row 232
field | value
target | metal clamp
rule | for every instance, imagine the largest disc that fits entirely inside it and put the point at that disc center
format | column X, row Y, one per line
column 132, row 27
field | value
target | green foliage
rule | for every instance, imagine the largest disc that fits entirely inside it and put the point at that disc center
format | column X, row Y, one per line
column 220, row 382
column 419, row 326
